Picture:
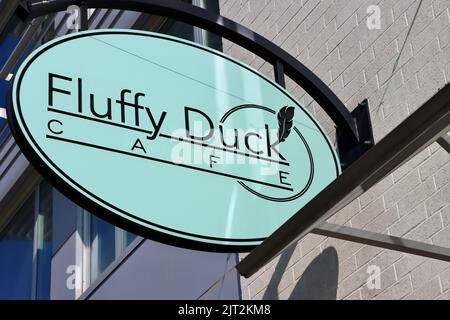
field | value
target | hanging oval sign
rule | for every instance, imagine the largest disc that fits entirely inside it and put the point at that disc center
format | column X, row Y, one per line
column 167, row 138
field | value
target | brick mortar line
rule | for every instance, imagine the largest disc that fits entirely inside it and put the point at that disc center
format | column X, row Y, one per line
column 298, row 24
column 423, row 285
column 373, row 42
column 397, row 282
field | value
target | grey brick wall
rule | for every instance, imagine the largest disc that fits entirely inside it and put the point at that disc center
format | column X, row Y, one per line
column 398, row 68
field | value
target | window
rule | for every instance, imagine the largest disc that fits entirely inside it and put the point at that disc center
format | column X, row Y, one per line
column 102, row 244
column 16, row 250
column 25, row 248
column 3, row 124
column 181, row 29
column 204, row 37
column 43, row 240
column 7, row 45
column 107, row 244
column 9, row 39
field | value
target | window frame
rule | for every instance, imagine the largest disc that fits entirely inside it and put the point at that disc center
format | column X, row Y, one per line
column 38, row 228
column 84, row 249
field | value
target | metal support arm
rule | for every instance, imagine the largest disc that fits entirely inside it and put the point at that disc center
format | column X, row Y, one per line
column 420, row 129
column 383, row 241
column 444, row 142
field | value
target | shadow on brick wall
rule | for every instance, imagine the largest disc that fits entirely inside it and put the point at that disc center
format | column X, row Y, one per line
column 318, row 282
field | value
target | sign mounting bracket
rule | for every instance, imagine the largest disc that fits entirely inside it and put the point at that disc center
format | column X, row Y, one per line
column 382, row 241
column 348, row 151
column 228, row 29
column 426, row 125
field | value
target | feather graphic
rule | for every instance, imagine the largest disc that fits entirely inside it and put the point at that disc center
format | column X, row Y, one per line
column 285, row 121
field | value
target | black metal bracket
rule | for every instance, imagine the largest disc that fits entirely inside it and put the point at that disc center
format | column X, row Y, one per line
column 228, row 29
column 84, row 25
column 354, row 130
column 22, row 11
column 419, row 130
column 348, row 151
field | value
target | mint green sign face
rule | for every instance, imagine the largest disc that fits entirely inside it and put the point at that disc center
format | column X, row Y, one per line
column 168, row 138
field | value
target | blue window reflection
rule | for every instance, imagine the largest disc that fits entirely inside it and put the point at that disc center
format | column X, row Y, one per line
column 26, row 249
column 16, row 252
column 107, row 243
column 44, row 242
column 103, row 249
column 4, row 85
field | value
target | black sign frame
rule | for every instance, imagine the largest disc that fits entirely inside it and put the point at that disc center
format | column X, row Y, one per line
column 283, row 62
